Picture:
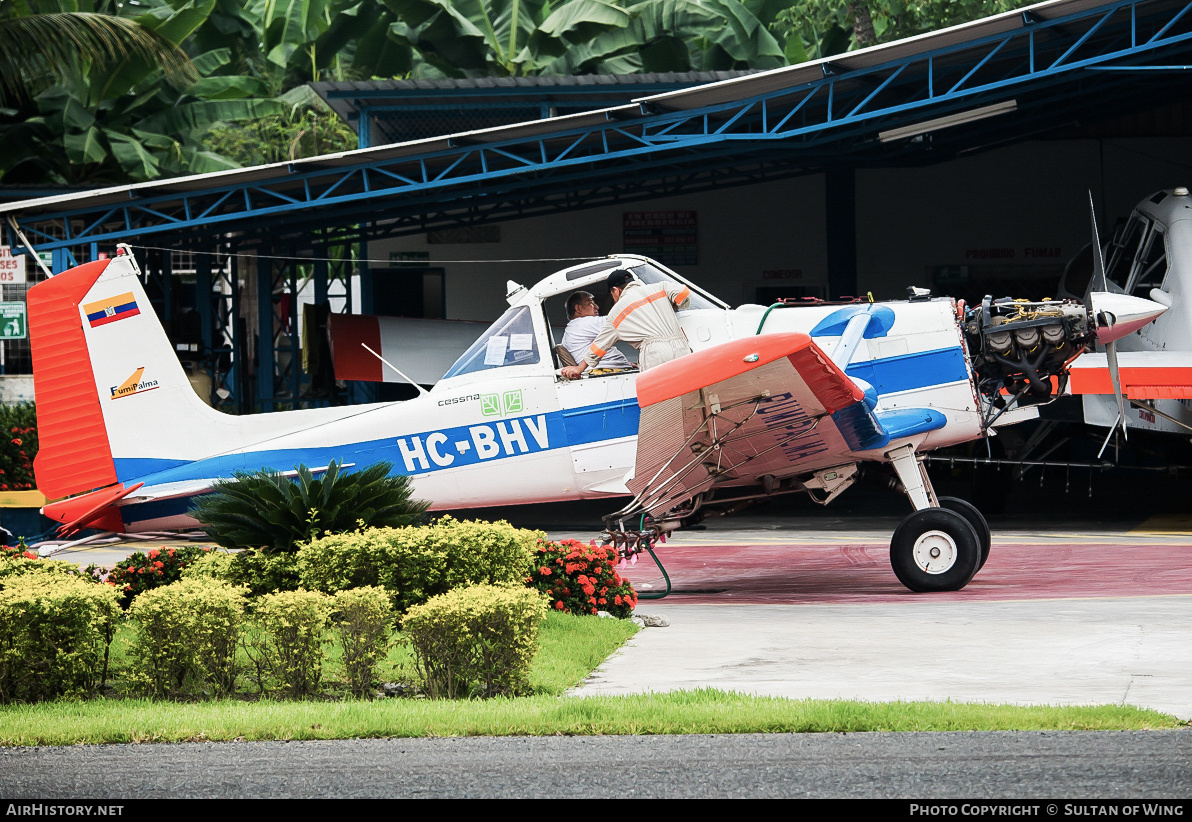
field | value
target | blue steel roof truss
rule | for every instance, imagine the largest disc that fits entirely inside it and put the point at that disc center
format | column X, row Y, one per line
column 842, row 108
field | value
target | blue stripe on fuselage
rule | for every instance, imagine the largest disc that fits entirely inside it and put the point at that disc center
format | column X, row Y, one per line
column 135, row 467
column 910, row 371
column 415, row 453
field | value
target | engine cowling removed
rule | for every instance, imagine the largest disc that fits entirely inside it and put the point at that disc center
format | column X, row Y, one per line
column 1020, row 350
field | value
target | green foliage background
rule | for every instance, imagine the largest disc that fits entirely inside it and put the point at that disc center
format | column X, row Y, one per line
column 18, row 446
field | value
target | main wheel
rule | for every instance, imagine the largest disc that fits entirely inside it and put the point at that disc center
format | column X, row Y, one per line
column 969, row 511
column 935, row 550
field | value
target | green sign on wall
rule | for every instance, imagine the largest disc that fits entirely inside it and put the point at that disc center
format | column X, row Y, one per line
column 13, row 325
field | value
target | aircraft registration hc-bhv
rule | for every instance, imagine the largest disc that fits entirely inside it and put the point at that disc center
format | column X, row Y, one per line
column 772, row 400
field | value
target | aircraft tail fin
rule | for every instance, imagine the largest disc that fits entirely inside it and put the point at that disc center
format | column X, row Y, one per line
column 74, row 452
column 113, row 402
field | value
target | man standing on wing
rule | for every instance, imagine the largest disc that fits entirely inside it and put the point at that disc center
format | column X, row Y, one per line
column 584, row 324
column 643, row 316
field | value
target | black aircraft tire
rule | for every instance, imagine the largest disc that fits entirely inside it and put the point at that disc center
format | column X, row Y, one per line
column 935, row 550
column 970, row 512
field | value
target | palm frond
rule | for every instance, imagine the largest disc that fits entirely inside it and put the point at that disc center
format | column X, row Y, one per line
column 38, row 46
column 263, row 509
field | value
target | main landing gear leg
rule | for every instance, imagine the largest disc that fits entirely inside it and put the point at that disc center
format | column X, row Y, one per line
column 938, row 547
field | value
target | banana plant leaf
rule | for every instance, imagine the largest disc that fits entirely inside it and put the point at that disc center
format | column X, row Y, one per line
column 201, row 114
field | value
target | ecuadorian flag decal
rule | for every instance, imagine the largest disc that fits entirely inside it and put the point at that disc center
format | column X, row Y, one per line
column 112, row 309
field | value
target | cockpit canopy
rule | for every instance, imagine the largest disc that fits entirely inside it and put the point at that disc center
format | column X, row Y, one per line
column 512, row 339
column 508, row 341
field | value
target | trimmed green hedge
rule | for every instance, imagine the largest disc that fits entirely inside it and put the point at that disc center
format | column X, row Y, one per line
column 186, row 637
column 414, row 564
column 57, row 630
column 362, row 617
column 476, row 641
column 289, row 647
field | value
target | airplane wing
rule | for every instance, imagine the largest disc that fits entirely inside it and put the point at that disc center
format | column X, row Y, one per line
column 756, row 409
column 1144, row 375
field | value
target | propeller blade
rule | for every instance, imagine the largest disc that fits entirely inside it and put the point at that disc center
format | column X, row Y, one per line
column 1111, row 357
column 1097, row 283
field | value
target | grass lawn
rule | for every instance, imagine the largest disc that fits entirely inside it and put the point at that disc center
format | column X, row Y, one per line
column 571, row 648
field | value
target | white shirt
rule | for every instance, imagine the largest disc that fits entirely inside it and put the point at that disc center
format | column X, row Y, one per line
column 578, row 339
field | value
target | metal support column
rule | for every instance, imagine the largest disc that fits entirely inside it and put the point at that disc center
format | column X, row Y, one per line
column 60, row 260
column 167, row 288
column 364, row 391
column 203, row 301
column 320, row 274
column 265, row 358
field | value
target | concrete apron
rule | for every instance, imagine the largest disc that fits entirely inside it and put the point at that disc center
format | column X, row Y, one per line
column 1131, row 651
column 1067, row 617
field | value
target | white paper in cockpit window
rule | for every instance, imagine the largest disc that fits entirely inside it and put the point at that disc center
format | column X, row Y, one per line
column 494, row 353
column 521, row 342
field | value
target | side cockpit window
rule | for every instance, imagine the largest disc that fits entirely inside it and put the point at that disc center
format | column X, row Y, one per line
column 508, row 341
column 1124, row 250
column 1152, row 266
column 649, row 274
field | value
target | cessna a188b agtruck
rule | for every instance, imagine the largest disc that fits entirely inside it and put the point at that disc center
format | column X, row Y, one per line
column 772, row 400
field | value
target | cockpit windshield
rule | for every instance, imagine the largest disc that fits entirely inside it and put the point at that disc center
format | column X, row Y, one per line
column 649, row 274
column 508, row 341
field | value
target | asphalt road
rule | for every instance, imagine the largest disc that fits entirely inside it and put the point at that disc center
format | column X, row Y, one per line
column 1063, row 767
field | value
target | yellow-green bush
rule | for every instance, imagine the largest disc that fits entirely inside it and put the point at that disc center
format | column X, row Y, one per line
column 14, row 566
column 289, row 647
column 416, row 563
column 484, row 552
column 259, row 572
column 186, row 635
column 57, row 630
column 339, row 562
column 478, row 640
column 212, row 565
column 362, row 619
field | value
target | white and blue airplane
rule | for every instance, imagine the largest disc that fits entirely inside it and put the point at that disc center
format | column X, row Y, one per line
column 772, row 400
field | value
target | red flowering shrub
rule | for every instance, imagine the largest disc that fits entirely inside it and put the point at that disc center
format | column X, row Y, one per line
column 18, row 446
column 581, row 579
column 17, row 552
column 161, row 566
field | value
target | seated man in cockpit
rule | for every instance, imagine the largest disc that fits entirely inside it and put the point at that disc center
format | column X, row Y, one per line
column 583, row 324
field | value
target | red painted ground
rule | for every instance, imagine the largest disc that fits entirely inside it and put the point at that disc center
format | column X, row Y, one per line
column 780, row 574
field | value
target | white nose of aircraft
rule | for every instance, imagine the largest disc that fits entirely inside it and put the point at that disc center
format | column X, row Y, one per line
column 1117, row 315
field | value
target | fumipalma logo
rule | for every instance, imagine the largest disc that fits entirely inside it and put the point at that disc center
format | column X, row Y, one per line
column 133, row 385
column 493, row 405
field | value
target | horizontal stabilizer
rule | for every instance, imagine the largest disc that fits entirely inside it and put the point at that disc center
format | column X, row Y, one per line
column 1145, row 375
column 96, row 509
